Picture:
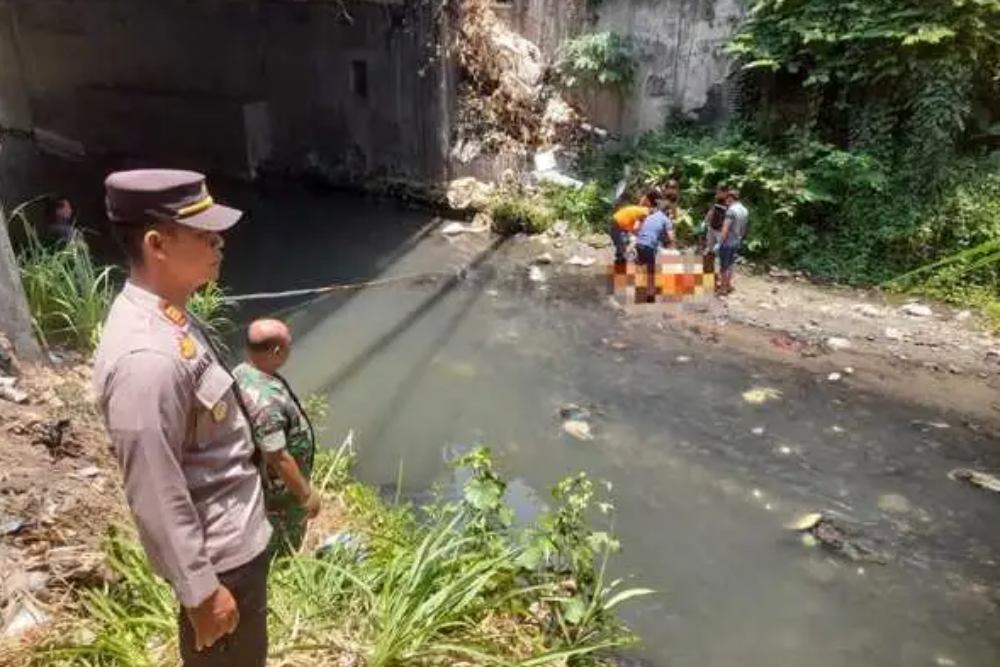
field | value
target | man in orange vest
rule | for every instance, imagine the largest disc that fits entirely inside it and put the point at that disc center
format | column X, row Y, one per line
column 627, row 220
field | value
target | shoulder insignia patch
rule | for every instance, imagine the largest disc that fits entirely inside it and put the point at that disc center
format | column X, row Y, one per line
column 173, row 313
column 188, row 348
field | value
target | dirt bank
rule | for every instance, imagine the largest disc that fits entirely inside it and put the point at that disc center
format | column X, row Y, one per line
column 59, row 492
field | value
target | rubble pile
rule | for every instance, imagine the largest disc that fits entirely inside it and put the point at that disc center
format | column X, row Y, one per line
column 505, row 102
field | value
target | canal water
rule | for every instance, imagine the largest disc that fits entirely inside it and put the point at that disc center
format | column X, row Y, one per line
column 703, row 481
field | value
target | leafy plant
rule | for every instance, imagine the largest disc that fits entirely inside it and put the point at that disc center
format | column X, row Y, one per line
column 68, row 294
column 419, row 594
column 597, row 59
column 516, row 211
column 209, row 305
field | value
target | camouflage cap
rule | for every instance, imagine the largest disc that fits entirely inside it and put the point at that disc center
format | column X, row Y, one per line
column 164, row 195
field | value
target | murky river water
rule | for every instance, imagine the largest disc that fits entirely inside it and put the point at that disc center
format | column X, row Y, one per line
column 420, row 369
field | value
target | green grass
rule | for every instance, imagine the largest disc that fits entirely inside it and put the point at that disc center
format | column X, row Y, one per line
column 68, row 294
column 451, row 587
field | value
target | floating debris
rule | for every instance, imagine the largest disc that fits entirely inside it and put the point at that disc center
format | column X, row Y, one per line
column 579, row 429
column 924, row 425
column 574, row 412
column 819, row 528
column 805, row 522
column 757, row 430
column 981, row 479
column 834, row 377
column 682, row 359
column 536, row 275
column 759, row 395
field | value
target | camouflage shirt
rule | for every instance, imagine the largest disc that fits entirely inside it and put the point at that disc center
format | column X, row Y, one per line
column 278, row 423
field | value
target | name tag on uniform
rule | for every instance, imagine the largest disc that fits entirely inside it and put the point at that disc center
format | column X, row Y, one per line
column 212, row 388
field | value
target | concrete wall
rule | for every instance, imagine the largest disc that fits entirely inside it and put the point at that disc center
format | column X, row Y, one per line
column 683, row 65
column 224, row 84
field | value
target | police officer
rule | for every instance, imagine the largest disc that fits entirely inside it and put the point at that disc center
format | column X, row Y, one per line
column 176, row 423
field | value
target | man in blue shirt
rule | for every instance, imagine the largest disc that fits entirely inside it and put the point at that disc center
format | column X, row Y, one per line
column 655, row 230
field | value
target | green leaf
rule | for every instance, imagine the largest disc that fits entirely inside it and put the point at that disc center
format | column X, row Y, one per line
column 574, row 610
column 622, row 596
column 482, row 494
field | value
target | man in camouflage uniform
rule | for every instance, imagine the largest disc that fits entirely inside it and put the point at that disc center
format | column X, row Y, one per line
column 282, row 431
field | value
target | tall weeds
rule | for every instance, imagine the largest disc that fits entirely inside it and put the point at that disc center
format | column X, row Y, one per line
column 68, row 294
column 409, row 593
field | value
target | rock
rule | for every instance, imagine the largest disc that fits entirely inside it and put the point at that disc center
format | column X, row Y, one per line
column 963, row 315
column 993, row 353
column 757, row 430
column 954, row 370
column 785, row 450
column 468, row 194
column 8, row 361
column 848, row 370
column 760, row 395
column 893, row 334
column 837, row 344
column 559, row 229
column 17, row 582
column 576, row 260
column 778, row 272
column 868, row 310
column 466, row 150
column 453, row 228
column 981, row 479
column 834, row 377
column 944, row 661
column 11, row 526
column 917, row 310
column 544, row 258
column 894, row 503
column 578, row 429
column 88, row 472
column 536, row 275
column 482, row 221
column 9, row 392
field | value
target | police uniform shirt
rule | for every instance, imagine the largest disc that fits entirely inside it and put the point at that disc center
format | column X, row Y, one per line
column 183, row 444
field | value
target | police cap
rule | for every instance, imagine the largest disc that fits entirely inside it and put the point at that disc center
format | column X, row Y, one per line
column 165, row 195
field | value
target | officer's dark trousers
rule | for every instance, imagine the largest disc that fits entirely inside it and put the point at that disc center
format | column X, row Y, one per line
column 247, row 647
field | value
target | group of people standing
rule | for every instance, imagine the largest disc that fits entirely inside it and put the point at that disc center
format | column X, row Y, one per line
column 652, row 223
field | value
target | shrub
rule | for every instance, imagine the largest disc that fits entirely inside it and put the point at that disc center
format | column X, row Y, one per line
column 514, row 212
column 598, row 59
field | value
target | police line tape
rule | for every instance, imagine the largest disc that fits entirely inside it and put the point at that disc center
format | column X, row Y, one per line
column 457, row 272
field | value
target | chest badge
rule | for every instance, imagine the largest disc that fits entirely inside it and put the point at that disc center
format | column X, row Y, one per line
column 220, row 411
column 188, row 348
column 174, row 314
